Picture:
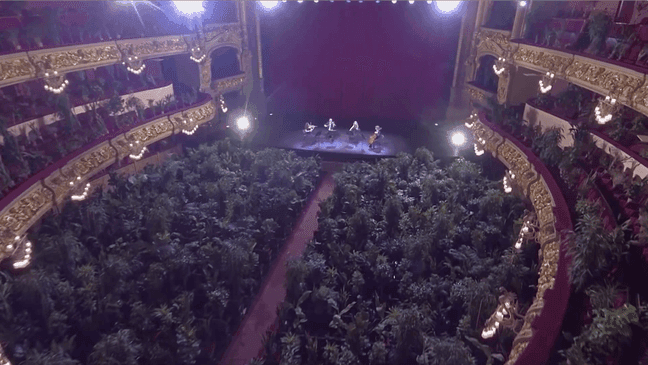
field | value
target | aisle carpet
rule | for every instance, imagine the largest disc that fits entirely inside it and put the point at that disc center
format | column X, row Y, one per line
column 247, row 342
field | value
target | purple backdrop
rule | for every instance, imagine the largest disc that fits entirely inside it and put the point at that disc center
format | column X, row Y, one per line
column 359, row 60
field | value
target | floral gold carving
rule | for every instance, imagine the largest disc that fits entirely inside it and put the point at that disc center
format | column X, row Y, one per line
column 27, row 209
column 91, row 55
column 151, row 132
column 205, row 74
column 14, row 67
column 225, row 34
column 546, row 61
column 154, row 46
column 542, row 200
column 229, row 84
column 605, row 80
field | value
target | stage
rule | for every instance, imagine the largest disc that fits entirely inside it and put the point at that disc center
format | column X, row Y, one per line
column 342, row 142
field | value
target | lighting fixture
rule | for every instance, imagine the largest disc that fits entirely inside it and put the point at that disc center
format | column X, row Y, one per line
column 134, row 65
column 190, row 132
column 394, row 1
column 55, row 83
column 458, row 139
column 223, row 106
column 447, row 6
column 189, row 7
column 411, row 2
column 24, row 245
column 139, row 155
column 83, row 195
column 604, row 111
column 546, row 82
column 505, row 315
column 522, row 3
column 478, row 150
column 243, row 123
column 500, row 66
column 507, row 181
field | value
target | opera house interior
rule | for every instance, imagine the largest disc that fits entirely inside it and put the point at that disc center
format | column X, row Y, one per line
column 323, row 182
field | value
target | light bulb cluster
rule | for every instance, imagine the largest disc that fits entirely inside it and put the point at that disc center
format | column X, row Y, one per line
column 83, row 195
column 479, row 146
column 57, row 90
column 223, row 106
column 507, row 182
column 139, row 155
column 26, row 259
column 496, row 319
column 528, row 230
column 136, row 71
column 471, row 120
column 499, row 66
column 198, row 60
column 546, row 83
column 190, row 132
column 604, row 112
column 54, row 79
column 478, row 150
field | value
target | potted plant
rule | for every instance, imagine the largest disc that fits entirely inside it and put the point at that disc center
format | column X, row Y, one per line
column 598, row 27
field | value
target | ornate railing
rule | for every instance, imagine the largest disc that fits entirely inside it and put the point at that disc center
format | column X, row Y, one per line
column 624, row 82
column 227, row 84
column 543, row 319
column 478, row 95
column 23, row 66
column 26, row 204
column 629, row 158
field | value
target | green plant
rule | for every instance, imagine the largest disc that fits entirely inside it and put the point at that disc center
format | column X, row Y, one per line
column 599, row 27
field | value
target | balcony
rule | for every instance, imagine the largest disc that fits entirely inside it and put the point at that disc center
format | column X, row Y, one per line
column 229, row 84
column 479, row 95
column 27, row 202
column 23, row 66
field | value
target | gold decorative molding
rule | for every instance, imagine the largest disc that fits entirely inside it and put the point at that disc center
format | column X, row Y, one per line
column 222, row 86
column 605, row 79
column 23, row 66
column 75, row 57
column 16, row 68
column 543, row 60
column 23, row 212
column 205, row 74
column 20, row 214
column 158, row 47
column 535, row 188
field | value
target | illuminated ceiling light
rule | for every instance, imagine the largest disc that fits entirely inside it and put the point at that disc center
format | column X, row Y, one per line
column 429, row 1
column 458, row 139
column 411, row 2
column 269, row 4
column 447, row 6
column 300, row 1
column 189, row 7
column 315, row 1
column 394, row 1
column 243, row 123
column 522, row 3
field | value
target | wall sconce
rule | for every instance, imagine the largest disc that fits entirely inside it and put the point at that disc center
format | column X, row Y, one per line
column 605, row 110
column 470, row 122
column 189, row 127
column 55, row 83
column 83, row 195
column 506, row 315
column 223, row 106
column 547, row 82
column 197, row 54
column 500, row 66
column 508, row 181
column 528, row 231
column 21, row 250
column 134, row 64
column 136, row 150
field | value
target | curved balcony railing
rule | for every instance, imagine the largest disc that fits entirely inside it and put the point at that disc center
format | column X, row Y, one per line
column 27, row 203
column 546, row 119
column 227, row 84
column 478, row 94
column 22, row 66
column 543, row 319
column 626, row 82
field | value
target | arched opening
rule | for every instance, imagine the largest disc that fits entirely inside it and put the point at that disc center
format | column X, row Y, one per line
column 485, row 76
column 224, row 63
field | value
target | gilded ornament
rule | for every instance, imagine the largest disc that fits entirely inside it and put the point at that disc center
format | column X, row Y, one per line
column 92, row 55
column 25, row 210
column 13, row 67
column 228, row 84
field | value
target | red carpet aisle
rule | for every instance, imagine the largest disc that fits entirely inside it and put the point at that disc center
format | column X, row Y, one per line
column 263, row 313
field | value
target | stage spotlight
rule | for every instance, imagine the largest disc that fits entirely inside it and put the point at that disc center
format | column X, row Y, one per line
column 522, row 3
column 411, row 2
column 189, row 7
column 458, row 139
column 243, row 123
column 268, row 4
column 393, row 1
column 447, row 6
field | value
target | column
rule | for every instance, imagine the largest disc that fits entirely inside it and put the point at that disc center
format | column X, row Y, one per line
column 518, row 24
column 205, row 74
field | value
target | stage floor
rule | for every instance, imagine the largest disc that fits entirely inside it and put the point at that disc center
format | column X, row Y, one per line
column 343, row 142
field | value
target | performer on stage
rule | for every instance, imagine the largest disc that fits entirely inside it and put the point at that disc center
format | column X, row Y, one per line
column 330, row 125
column 308, row 128
column 354, row 127
column 374, row 137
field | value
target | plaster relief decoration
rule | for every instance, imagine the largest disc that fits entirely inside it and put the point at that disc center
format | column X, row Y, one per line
column 205, row 74
column 149, row 47
column 151, row 132
column 533, row 186
column 229, row 34
column 15, row 68
column 502, row 87
column 25, row 210
column 491, row 41
column 66, row 59
column 224, row 85
column 604, row 78
column 539, row 59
